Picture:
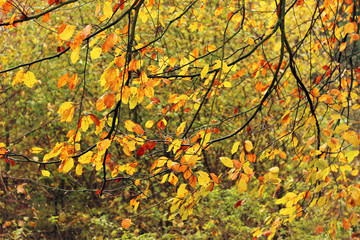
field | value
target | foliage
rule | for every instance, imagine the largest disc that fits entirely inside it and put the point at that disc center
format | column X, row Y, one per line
column 204, row 119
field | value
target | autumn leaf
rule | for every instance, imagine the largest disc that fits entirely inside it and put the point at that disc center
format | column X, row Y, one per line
column 95, row 53
column 235, row 147
column 149, row 124
column 63, row 80
column 346, row 224
column 239, row 203
column 75, row 55
column 66, row 111
column 79, row 170
column 204, row 71
column 36, row 150
column 227, row 162
column 45, row 173
column 73, row 81
column 203, row 178
column 109, row 100
column 29, row 79
column 180, row 129
column 68, row 165
column 248, row 146
column 110, row 42
column 125, row 223
column 66, row 31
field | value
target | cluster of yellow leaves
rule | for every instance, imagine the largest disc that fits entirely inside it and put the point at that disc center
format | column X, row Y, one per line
column 27, row 78
column 129, row 168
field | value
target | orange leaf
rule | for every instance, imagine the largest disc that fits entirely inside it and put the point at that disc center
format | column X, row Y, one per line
column 214, row 178
column 319, row 229
column 73, row 81
column 46, row 17
column 109, row 43
column 125, row 223
column 94, row 119
column 138, row 129
column 346, row 224
column 251, row 157
column 109, row 100
column 100, row 104
column 63, row 80
column 192, row 181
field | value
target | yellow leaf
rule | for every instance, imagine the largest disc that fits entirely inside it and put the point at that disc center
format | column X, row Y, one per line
column 19, row 77
column 248, row 146
column 67, row 32
column 75, row 55
column 107, row 9
column 164, row 178
column 211, row 48
column 227, row 84
column 235, row 147
column 203, row 178
column 204, row 71
column 321, row 201
column 79, row 170
column 350, row 155
column 129, row 125
column 181, row 192
column 85, row 121
column 342, row 47
column 66, row 111
column 36, row 150
column 227, row 162
column 161, row 161
column 45, row 173
column 95, row 53
column 180, row 129
column 86, row 158
column 68, row 165
column 173, row 179
column 149, row 124
column 29, row 79
column 133, row 102
column 242, row 185
column 274, row 170
column 351, row 137
column 251, row 41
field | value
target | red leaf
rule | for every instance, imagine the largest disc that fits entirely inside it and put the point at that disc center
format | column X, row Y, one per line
column 150, row 145
column 108, row 158
column 248, row 130
column 79, row 122
column 111, row 165
column 239, row 203
column 98, row 191
column 12, row 163
column 122, row 4
column 140, row 151
column 236, row 110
